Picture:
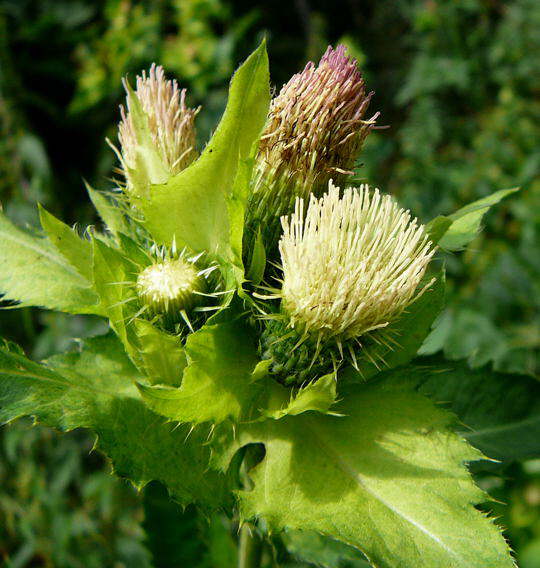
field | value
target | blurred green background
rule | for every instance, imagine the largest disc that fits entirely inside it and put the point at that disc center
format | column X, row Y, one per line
column 458, row 85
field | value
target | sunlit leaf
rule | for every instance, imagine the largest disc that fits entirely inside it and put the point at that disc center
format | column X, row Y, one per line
column 466, row 221
column 76, row 250
column 218, row 381
column 163, row 355
column 388, row 478
column 34, row 273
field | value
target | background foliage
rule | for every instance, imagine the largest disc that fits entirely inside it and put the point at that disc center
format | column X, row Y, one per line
column 457, row 84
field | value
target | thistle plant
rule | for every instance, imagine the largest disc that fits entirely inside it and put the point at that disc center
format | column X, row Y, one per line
column 315, row 129
column 319, row 426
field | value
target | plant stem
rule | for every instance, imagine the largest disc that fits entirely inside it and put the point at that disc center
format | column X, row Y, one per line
column 250, row 548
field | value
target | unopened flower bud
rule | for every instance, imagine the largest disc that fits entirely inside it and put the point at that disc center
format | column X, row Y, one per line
column 351, row 265
column 315, row 130
column 170, row 287
column 156, row 133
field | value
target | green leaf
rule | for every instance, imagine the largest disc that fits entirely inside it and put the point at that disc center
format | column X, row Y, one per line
column 387, row 478
column 408, row 332
column 77, row 251
column 437, row 227
column 34, row 273
column 187, row 537
column 95, row 389
column 114, row 278
column 218, row 382
column 466, row 221
column 236, row 205
column 314, row 548
column 166, row 525
column 149, row 167
column 257, row 264
column 133, row 252
column 318, row 396
column 191, row 207
column 110, row 212
column 500, row 412
column 163, row 355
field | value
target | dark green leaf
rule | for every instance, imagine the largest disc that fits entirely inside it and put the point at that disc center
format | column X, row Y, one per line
column 257, row 264
column 180, row 538
column 500, row 413
column 95, row 389
column 322, row 551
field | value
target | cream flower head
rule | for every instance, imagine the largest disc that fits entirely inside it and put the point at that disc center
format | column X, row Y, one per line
column 169, row 285
column 351, row 263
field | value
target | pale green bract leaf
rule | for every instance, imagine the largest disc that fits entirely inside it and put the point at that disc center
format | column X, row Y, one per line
column 34, row 273
column 95, row 389
column 111, row 214
column 388, row 478
column 437, row 227
column 318, row 396
column 218, row 382
column 466, row 221
column 234, row 272
column 149, row 167
column 136, row 255
column 163, row 356
column 257, row 264
column 77, row 251
column 114, row 278
column 194, row 207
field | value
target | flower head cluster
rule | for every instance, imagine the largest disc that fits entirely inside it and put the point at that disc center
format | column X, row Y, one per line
column 315, row 129
column 156, row 133
column 351, row 264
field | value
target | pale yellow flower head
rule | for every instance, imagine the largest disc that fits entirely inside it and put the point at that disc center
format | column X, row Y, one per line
column 352, row 263
column 168, row 285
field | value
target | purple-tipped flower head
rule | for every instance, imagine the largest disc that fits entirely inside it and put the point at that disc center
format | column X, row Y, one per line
column 315, row 130
column 156, row 133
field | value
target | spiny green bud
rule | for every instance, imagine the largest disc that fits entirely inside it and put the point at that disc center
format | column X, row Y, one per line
column 170, row 287
column 293, row 362
column 351, row 265
column 156, row 133
column 315, row 130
